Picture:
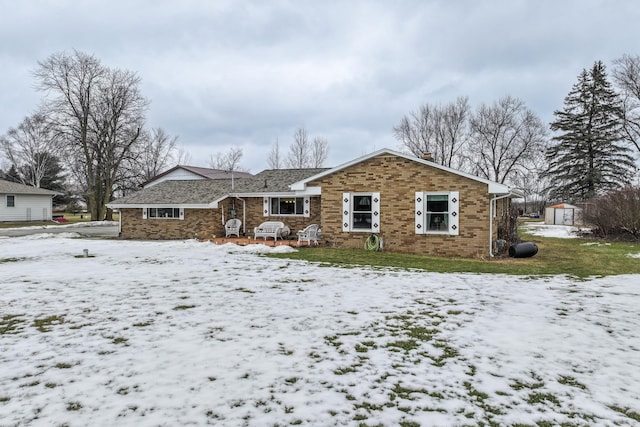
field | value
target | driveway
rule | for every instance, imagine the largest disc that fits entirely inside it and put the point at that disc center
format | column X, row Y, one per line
column 88, row 229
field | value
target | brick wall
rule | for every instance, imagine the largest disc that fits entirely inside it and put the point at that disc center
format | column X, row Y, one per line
column 205, row 223
column 197, row 223
column 397, row 179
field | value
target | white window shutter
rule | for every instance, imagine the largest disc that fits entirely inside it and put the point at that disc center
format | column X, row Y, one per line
column 346, row 211
column 144, row 213
column 181, row 213
column 265, row 206
column 307, row 207
column 420, row 205
column 375, row 212
column 454, row 213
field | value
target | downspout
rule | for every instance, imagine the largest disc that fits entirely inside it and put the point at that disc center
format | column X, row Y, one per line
column 491, row 208
column 244, row 214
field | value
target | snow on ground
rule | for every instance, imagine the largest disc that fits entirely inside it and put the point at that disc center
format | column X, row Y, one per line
column 71, row 225
column 545, row 230
column 190, row 333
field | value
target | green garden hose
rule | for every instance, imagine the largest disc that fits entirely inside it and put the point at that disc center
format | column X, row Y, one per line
column 372, row 243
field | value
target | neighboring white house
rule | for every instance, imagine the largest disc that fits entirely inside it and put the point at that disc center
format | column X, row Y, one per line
column 563, row 214
column 20, row 202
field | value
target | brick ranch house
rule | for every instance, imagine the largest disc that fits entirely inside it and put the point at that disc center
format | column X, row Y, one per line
column 413, row 205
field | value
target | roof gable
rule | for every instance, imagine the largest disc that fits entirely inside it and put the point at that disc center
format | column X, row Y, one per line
column 193, row 173
column 493, row 187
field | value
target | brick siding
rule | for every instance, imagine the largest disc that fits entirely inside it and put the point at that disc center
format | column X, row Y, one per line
column 397, row 179
column 205, row 223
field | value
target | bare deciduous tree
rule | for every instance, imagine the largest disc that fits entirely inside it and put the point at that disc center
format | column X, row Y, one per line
column 304, row 153
column 299, row 150
column 152, row 155
column 31, row 146
column 156, row 153
column 182, row 156
column 626, row 75
column 319, row 152
column 229, row 161
column 274, row 161
column 505, row 136
column 441, row 131
column 99, row 112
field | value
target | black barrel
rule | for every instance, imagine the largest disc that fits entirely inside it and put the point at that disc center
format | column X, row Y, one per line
column 523, row 250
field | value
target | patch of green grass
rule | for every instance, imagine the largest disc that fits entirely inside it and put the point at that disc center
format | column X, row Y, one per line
column 406, row 345
column 555, row 256
column 541, row 398
column 44, row 324
column 570, row 381
column 74, row 406
column 11, row 324
column 120, row 340
column 183, row 307
column 63, row 365
column 627, row 411
column 4, row 399
column 246, row 291
column 143, row 324
column 421, row 333
column 12, row 259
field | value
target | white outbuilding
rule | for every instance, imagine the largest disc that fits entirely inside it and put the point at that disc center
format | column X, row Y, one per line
column 20, row 202
column 563, row 214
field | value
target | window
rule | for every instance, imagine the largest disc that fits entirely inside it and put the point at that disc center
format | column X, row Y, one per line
column 287, row 206
column 11, row 201
column 361, row 212
column 292, row 206
column 163, row 213
column 437, row 212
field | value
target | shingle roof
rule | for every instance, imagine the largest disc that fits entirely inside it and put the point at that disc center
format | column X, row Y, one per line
column 275, row 180
column 204, row 192
column 8, row 187
column 206, row 173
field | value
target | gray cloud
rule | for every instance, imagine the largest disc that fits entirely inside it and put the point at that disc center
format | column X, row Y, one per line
column 229, row 73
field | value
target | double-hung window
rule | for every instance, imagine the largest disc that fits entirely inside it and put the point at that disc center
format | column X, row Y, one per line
column 11, row 201
column 287, row 206
column 163, row 213
column 437, row 213
column 361, row 212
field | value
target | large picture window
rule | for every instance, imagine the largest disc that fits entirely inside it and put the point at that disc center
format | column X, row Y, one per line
column 361, row 212
column 163, row 213
column 287, row 206
column 437, row 212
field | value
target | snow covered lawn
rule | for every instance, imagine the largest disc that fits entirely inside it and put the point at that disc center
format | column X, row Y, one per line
column 189, row 333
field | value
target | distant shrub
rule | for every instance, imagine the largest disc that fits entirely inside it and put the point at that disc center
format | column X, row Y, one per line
column 616, row 214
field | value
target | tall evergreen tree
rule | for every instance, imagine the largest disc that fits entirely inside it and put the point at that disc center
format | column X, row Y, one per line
column 589, row 156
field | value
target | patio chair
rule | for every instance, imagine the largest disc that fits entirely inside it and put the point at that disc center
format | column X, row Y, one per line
column 233, row 227
column 311, row 233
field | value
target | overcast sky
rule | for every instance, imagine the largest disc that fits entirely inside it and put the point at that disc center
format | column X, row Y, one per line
column 223, row 74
